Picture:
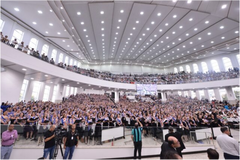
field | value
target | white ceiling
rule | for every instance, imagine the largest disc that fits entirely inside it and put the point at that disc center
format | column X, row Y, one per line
column 153, row 38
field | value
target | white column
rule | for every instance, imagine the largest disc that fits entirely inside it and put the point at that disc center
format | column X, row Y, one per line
column 59, row 92
column 64, row 91
column 206, row 94
column 198, row 95
column 217, row 94
column 41, row 93
column 51, row 93
column 189, row 94
column 116, row 99
column 29, row 91
column 233, row 58
column 230, row 95
column 163, row 96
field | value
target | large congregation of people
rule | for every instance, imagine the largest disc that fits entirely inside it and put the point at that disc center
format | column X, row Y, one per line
column 95, row 112
column 169, row 78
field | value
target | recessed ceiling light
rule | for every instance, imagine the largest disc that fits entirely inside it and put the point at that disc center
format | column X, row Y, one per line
column 221, row 27
column 131, row 34
column 116, row 33
column 34, row 23
column 191, row 42
column 147, row 29
column 174, row 1
column 46, row 32
column 101, row 12
column 194, row 49
column 159, row 14
column 102, row 22
column 195, row 29
column 167, row 37
column 236, row 32
column 102, row 35
column 137, row 21
column 187, row 34
column 24, row 69
column 189, row 1
column 175, row 16
column 61, row 7
column 143, row 34
column 82, row 23
column 166, row 24
column 160, row 30
column 40, row 12
column 102, row 29
column 223, row 37
column 179, row 39
column 51, row 10
column 86, row 35
column 78, row 13
column 46, row 75
column 58, row 33
column 50, row 24
column 121, row 11
column 16, row 9
column 84, row 30
column 224, row 6
column 202, row 45
column 209, row 33
column 206, row 22
column 199, row 38
column 212, row 41
column 119, row 20
column 180, row 27
column 152, row 22
column 155, row 35
column 141, row 13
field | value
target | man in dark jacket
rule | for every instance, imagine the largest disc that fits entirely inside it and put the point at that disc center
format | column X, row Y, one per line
column 178, row 136
column 170, row 146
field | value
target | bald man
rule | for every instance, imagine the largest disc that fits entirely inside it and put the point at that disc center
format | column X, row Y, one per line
column 170, row 146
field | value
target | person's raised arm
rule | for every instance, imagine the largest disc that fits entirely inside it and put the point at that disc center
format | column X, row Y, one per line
column 139, row 122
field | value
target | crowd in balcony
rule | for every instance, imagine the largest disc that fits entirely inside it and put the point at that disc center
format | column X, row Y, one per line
column 169, row 78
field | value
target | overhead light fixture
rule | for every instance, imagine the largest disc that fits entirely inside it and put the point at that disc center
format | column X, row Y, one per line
column 50, row 24
column 159, row 14
column 223, row 37
column 102, row 22
column 16, row 9
column 142, row 13
column 189, row 1
column 78, row 13
column 206, row 22
column 190, row 19
column 121, row 11
column 40, row 12
column 175, row 16
column 102, row 12
column 212, row 41
column 166, row 24
column 119, row 20
column 209, row 33
column 34, row 23
column 58, row 33
column 187, row 34
column 180, row 27
column 147, row 29
column 46, row 75
column 137, row 21
column 82, row 23
column 221, row 27
column 46, row 32
column 51, row 10
column 195, row 29
column 24, row 69
column 199, row 38
column 224, row 6
column 102, row 29
column 174, row 1
column 61, row 7
column 236, row 32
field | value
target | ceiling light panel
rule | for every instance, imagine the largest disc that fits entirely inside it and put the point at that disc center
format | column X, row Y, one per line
column 119, row 28
column 132, row 34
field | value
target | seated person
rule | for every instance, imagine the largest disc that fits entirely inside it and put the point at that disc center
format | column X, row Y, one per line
column 20, row 46
column 25, row 49
column 32, row 52
column 5, row 40
column 14, row 43
column 52, row 61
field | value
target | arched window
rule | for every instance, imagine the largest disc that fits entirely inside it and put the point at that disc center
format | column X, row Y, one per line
column 215, row 65
column 188, row 69
column 71, row 62
column 18, row 34
column 227, row 63
column 1, row 24
column 180, row 68
column 79, row 64
column 204, row 67
column 195, row 68
column 33, row 44
column 75, row 63
column 60, row 58
column 45, row 49
column 238, row 58
column 66, row 60
column 54, row 54
column 175, row 70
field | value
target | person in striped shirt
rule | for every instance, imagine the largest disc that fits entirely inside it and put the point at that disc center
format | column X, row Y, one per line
column 137, row 138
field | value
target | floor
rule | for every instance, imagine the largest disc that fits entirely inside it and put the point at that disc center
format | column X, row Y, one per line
column 147, row 142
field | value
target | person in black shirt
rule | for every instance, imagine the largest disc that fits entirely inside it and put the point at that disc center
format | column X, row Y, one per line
column 49, row 139
column 70, row 142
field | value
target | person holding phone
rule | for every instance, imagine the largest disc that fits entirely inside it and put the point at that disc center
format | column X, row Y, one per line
column 137, row 138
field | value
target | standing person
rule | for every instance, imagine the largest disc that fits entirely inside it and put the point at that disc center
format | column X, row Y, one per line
column 8, row 139
column 229, row 145
column 179, row 138
column 169, row 146
column 137, row 139
column 49, row 139
column 70, row 142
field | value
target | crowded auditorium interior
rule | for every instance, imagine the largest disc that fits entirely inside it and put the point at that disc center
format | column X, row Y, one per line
column 122, row 79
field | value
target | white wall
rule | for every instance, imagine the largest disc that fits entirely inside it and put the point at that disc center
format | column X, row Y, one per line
column 11, row 83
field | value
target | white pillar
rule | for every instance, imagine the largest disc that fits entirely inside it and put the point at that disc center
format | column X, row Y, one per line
column 29, row 91
column 230, row 95
column 51, row 93
column 206, row 94
column 41, row 92
column 217, row 94
column 189, row 94
column 164, row 98
column 198, row 95
column 116, row 99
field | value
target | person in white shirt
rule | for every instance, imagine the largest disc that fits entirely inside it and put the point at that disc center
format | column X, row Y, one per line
column 229, row 145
